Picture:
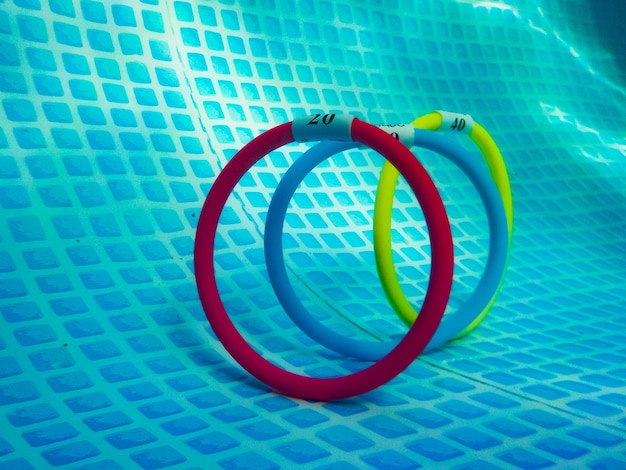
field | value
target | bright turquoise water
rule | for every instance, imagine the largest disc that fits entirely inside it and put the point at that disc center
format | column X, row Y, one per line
column 116, row 117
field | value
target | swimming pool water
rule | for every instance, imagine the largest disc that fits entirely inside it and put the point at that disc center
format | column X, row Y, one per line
column 116, row 118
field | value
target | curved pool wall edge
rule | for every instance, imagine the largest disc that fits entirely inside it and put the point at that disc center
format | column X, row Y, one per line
column 116, row 118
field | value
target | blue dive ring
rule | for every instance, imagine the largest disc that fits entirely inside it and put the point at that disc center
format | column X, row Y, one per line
column 453, row 323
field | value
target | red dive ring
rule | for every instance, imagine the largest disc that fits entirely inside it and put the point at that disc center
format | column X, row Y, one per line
column 315, row 128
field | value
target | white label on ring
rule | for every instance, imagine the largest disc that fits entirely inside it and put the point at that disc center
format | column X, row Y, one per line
column 318, row 127
column 405, row 133
column 456, row 122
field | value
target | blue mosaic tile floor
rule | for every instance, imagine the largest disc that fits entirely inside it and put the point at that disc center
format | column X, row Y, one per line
column 116, row 117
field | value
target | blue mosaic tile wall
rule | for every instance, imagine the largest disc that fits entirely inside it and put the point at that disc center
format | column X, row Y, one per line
column 116, row 118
